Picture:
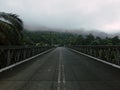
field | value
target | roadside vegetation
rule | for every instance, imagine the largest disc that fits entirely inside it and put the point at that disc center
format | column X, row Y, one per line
column 10, row 29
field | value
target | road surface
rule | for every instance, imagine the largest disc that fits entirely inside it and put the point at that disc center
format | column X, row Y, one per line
column 61, row 69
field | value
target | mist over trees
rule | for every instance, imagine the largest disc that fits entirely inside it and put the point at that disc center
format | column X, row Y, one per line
column 13, row 33
column 65, row 38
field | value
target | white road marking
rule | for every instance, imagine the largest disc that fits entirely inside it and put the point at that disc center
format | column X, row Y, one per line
column 18, row 63
column 100, row 60
column 61, row 73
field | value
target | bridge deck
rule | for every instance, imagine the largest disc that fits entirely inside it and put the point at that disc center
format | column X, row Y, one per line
column 61, row 69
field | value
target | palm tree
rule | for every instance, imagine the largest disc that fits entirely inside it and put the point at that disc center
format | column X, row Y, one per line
column 10, row 29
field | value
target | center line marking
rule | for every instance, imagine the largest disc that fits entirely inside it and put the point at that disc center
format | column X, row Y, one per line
column 63, row 74
column 59, row 73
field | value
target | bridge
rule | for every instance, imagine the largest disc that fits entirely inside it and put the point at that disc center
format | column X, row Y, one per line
column 61, row 68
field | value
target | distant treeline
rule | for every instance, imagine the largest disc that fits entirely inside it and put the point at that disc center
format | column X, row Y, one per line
column 64, row 38
column 12, row 33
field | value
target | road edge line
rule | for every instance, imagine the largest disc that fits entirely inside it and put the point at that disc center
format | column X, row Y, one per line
column 100, row 60
column 28, row 59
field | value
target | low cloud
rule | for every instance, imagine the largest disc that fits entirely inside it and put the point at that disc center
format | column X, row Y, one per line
column 68, row 14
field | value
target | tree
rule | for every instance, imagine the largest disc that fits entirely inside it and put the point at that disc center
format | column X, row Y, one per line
column 80, row 40
column 106, row 41
column 89, row 39
column 115, row 40
column 10, row 29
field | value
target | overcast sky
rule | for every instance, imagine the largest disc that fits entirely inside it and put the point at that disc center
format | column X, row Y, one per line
column 103, row 15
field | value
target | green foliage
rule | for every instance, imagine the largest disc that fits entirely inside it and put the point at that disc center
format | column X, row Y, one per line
column 115, row 40
column 10, row 29
column 80, row 40
column 11, row 33
column 48, row 38
column 89, row 39
column 40, row 38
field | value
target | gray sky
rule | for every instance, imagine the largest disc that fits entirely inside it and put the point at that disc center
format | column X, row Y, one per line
column 103, row 15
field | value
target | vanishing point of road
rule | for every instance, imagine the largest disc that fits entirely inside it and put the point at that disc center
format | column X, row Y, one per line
column 61, row 69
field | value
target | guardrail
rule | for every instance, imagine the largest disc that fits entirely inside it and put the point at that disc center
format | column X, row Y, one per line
column 108, row 53
column 13, row 54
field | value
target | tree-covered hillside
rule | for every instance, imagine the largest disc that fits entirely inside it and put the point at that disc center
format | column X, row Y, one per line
column 13, row 33
column 64, row 38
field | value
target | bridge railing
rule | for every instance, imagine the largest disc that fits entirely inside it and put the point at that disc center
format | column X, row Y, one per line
column 108, row 53
column 12, row 54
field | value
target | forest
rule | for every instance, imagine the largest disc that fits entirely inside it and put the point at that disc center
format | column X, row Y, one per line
column 12, row 32
column 65, row 38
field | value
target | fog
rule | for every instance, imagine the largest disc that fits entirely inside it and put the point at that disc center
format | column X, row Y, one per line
column 96, row 15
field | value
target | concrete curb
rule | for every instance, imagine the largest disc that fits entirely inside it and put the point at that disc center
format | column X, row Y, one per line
column 18, row 63
column 100, row 60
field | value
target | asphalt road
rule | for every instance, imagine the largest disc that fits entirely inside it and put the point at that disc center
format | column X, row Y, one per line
column 61, row 69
